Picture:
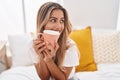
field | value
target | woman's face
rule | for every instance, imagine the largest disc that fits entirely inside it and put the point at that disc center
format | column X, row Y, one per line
column 56, row 21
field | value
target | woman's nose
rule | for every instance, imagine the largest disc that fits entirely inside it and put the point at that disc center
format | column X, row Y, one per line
column 58, row 26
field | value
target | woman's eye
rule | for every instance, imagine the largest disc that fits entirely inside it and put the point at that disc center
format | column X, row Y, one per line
column 62, row 21
column 52, row 20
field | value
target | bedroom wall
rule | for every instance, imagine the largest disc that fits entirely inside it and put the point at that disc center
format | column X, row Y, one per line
column 118, row 22
column 11, row 18
column 97, row 13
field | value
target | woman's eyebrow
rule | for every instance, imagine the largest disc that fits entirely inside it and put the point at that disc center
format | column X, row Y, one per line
column 62, row 18
column 57, row 18
column 53, row 17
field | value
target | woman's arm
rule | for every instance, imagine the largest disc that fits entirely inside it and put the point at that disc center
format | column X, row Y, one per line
column 49, row 53
column 56, row 72
column 41, row 67
column 42, row 70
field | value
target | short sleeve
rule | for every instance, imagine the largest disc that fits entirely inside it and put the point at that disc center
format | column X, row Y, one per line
column 72, row 56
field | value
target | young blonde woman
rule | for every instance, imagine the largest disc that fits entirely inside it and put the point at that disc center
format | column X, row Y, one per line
column 45, row 61
column 55, row 63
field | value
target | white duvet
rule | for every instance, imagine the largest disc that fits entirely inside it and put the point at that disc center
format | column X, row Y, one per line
column 20, row 73
column 105, row 72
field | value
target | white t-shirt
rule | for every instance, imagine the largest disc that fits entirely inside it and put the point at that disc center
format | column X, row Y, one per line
column 71, row 56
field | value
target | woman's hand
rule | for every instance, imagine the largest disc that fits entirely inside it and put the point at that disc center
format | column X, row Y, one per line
column 39, row 46
column 45, row 50
column 50, row 51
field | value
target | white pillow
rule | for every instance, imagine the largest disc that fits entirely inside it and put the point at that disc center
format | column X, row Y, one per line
column 106, row 47
column 19, row 45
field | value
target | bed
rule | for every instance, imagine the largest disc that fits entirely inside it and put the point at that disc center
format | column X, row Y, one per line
column 106, row 56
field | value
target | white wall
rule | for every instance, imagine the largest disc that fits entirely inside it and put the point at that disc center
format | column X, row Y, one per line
column 97, row 13
column 31, row 9
column 118, row 22
column 11, row 18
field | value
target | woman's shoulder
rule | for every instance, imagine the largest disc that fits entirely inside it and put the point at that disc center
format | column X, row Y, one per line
column 72, row 47
column 72, row 54
column 71, row 42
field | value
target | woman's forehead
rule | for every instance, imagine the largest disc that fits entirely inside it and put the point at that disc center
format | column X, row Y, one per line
column 57, row 13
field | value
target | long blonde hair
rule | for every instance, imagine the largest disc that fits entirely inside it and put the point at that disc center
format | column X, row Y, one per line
column 42, row 19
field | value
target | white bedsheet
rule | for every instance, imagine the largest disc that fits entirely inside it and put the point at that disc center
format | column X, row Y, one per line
column 105, row 72
column 20, row 73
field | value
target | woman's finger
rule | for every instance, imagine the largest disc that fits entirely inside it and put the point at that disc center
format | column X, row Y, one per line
column 49, row 45
column 38, row 45
column 47, row 51
column 37, row 41
column 40, row 36
column 41, row 50
column 56, row 46
column 44, row 53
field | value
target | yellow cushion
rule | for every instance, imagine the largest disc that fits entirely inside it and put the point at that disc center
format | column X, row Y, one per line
column 83, row 40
